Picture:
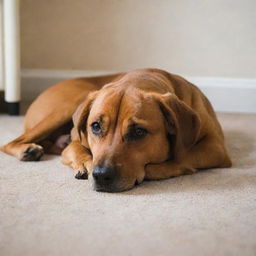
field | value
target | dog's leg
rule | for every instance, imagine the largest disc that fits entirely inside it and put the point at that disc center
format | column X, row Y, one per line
column 78, row 158
column 166, row 170
column 206, row 154
column 25, row 147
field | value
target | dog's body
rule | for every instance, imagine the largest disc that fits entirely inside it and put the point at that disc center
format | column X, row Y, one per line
column 145, row 124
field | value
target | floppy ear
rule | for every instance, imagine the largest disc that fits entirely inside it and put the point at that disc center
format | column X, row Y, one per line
column 183, row 124
column 81, row 114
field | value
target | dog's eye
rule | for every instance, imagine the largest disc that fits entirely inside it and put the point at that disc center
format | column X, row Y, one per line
column 139, row 132
column 136, row 133
column 96, row 128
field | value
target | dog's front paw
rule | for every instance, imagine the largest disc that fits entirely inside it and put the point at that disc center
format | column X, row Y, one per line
column 32, row 153
column 82, row 170
column 188, row 170
column 82, row 175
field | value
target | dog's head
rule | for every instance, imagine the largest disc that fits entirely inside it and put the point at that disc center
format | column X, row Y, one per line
column 127, row 129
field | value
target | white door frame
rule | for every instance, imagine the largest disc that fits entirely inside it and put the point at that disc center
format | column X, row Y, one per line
column 11, row 54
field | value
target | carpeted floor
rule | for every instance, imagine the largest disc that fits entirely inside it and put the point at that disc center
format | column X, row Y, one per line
column 46, row 211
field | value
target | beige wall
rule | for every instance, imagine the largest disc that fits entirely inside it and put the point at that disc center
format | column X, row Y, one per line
column 1, row 48
column 192, row 37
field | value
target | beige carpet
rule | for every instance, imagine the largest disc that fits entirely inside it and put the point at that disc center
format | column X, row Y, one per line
column 45, row 211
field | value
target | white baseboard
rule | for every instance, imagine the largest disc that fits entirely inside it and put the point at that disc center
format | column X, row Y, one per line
column 226, row 94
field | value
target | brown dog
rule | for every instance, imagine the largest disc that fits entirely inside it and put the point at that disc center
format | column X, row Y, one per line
column 145, row 124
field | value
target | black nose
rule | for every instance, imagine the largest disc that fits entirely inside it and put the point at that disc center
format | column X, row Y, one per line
column 103, row 175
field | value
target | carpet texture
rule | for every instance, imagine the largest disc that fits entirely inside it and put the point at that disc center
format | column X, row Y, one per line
column 46, row 211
